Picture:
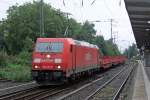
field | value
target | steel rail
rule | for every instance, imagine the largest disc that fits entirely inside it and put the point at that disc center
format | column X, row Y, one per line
column 105, row 84
column 17, row 93
column 116, row 97
column 89, row 84
column 5, row 80
column 17, row 86
column 52, row 94
column 35, row 94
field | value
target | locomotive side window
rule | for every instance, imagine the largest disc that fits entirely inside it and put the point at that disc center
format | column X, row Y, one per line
column 49, row 47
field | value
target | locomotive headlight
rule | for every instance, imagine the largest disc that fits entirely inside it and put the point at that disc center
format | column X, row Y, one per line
column 36, row 66
column 37, row 60
column 48, row 56
column 57, row 60
column 58, row 66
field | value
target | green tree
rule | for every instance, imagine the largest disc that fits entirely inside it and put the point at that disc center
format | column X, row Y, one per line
column 100, row 42
column 131, row 51
column 106, row 46
column 111, row 48
column 21, row 27
column 74, row 28
column 1, row 37
column 86, row 32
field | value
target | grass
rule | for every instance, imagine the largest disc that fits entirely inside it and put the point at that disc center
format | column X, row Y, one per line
column 17, row 68
column 16, row 72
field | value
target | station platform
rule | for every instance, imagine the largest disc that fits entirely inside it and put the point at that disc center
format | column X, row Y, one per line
column 142, row 83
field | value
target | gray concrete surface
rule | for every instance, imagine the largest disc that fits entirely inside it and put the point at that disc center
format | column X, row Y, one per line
column 147, row 70
column 139, row 87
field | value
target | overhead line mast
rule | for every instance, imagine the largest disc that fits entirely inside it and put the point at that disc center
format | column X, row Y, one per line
column 41, row 19
column 111, row 26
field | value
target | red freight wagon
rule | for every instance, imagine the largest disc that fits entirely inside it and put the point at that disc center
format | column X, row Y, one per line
column 106, row 62
column 118, row 60
column 114, row 60
column 60, row 59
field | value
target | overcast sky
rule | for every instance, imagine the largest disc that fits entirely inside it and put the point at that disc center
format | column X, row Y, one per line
column 102, row 10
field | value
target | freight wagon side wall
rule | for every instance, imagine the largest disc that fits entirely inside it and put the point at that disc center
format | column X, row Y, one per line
column 106, row 62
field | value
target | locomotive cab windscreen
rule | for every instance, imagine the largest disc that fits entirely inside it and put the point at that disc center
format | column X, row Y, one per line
column 49, row 47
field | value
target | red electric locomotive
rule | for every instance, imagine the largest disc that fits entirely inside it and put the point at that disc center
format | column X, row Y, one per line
column 56, row 60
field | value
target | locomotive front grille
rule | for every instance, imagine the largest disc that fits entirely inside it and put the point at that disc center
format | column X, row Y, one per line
column 47, row 75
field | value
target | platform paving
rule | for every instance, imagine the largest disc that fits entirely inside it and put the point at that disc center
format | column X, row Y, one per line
column 147, row 70
column 140, row 91
column 142, row 83
column 146, row 79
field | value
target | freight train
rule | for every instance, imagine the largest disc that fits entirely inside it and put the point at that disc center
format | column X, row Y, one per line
column 58, row 60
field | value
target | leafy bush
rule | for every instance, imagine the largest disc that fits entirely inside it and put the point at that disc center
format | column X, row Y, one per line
column 16, row 67
column 16, row 72
column 23, row 58
column 3, row 58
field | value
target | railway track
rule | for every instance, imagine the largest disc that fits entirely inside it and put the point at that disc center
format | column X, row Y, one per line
column 101, row 91
column 38, row 93
column 17, row 93
column 53, row 93
column 4, row 80
column 112, row 88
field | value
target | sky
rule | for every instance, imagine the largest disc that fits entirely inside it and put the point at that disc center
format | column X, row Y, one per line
column 102, row 10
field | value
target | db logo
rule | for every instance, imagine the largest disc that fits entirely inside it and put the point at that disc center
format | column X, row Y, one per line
column 88, row 56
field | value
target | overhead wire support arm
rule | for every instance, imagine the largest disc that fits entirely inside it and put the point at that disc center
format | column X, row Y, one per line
column 93, row 2
column 68, row 24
